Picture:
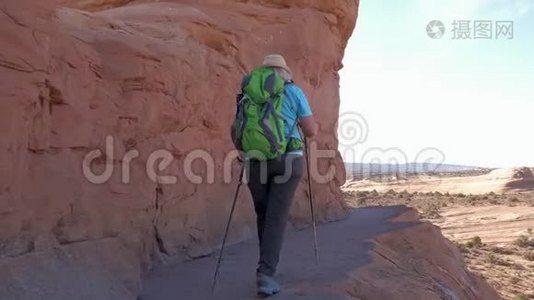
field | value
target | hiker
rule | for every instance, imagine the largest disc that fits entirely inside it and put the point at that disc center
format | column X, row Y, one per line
column 269, row 111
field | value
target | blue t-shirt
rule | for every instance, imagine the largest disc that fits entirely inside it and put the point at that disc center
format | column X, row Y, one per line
column 295, row 106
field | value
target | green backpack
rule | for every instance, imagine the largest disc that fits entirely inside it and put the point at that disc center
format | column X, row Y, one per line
column 258, row 129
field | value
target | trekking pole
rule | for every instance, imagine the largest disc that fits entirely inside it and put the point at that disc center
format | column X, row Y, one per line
column 219, row 260
column 312, row 209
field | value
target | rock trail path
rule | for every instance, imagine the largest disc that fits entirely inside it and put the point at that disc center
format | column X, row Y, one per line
column 344, row 247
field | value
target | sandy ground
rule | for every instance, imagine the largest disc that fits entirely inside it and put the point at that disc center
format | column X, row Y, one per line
column 485, row 215
column 342, row 251
column 495, row 225
column 499, row 258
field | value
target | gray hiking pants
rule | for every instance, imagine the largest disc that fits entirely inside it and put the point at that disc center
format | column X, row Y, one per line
column 273, row 184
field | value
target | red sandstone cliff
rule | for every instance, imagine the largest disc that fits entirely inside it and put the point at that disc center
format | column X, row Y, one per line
column 159, row 75
column 153, row 75
column 416, row 262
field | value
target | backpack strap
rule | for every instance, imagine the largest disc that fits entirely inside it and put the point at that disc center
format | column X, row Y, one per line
column 287, row 83
column 264, row 124
column 290, row 82
column 244, row 82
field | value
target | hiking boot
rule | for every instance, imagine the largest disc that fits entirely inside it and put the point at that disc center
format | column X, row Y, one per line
column 267, row 285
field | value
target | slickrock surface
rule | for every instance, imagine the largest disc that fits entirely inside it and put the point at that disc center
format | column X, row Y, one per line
column 366, row 256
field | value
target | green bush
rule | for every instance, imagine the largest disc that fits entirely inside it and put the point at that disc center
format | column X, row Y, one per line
column 475, row 242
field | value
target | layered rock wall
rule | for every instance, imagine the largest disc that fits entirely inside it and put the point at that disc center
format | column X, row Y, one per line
column 130, row 78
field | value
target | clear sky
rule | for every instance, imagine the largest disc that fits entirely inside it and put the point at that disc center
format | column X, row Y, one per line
column 471, row 99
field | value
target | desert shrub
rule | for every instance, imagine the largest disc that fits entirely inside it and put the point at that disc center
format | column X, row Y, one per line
column 493, row 259
column 524, row 242
column 461, row 195
column 362, row 194
column 500, row 250
column 475, row 242
column 521, row 297
column 405, row 194
column 514, row 200
column 432, row 213
column 461, row 247
column 529, row 231
column 514, row 280
column 529, row 255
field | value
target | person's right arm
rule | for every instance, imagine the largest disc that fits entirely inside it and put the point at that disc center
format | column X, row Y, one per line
column 304, row 114
column 309, row 126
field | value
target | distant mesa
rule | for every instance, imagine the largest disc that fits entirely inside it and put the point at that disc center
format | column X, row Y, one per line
column 522, row 173
column 443, row 178
column 513, row 173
